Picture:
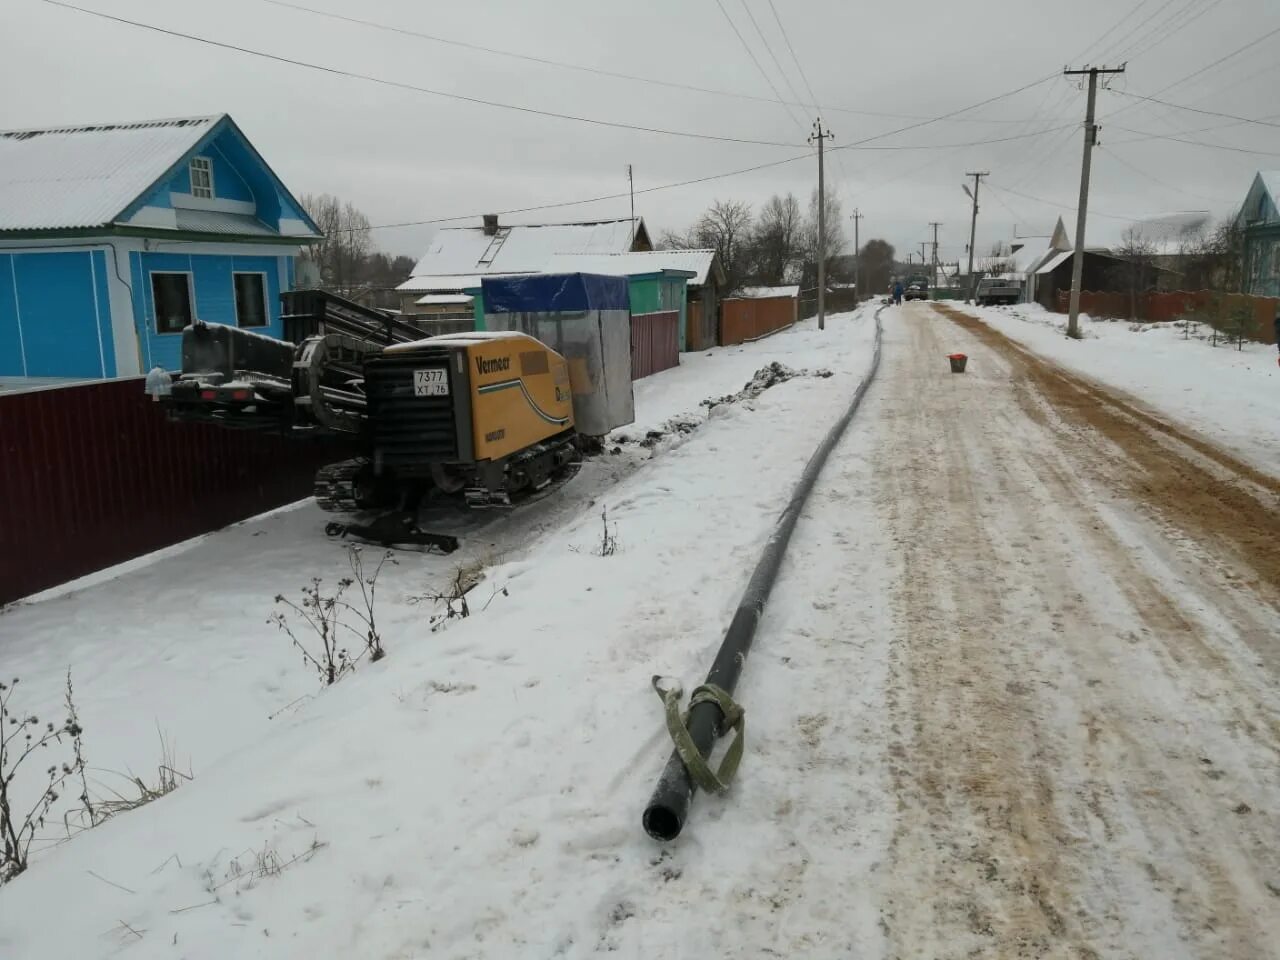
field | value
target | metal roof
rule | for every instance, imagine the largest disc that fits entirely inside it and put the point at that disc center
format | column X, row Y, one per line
column 1052, row 264
column 522, row 248
column 631, row 263
column 215, row 221
column 68, row 177
column 764, row 293
column 442, row 298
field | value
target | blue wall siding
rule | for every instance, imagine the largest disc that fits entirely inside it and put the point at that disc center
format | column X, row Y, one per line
column 228, row 182
column 65, row 315
column 10, row 340
column 214, row 288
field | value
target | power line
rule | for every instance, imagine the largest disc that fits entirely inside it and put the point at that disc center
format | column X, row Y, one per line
column 1110, row 30
column 1147, row 135
column 582, row 68
column 1207, row 113
column 1159, row 32
column 1116, row 44
column 769, row 50
column 1146, row 175
column 1062, row 206
column 754, row 59
column 1175, row 30
column 796, row 60
column 350, row 74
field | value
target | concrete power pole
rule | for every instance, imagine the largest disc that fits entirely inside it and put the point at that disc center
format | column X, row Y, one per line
column 924, row 245
column 821, row 138
column 1090, row 141
column 973, row 226
column 935, row 224
column 857, row 256
column 631, row 185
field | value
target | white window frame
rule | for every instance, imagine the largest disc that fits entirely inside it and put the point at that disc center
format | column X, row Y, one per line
column 266, row 299
column 203, row 165
column 191, row 298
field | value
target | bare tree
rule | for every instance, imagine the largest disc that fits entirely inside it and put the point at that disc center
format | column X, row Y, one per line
column 835, row 229
column 877, row 260
column 777, row 239
column 1137, row 271
column 342, row 254
column 999, row 260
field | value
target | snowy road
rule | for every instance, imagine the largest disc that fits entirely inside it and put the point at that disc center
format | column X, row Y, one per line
column 1014, row 696
column 1082, row 680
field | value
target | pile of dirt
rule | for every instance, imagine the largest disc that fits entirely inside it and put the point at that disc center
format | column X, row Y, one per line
column 764, row 378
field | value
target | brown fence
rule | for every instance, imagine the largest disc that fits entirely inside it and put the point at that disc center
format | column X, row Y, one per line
column 743, row 319
column 93, row 475
column 698, row 334
column 1204, row 305
column 836, row 301
column 655, row 342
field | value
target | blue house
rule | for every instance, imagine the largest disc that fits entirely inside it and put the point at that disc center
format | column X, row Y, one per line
column 113, row 238
column 1259, row 220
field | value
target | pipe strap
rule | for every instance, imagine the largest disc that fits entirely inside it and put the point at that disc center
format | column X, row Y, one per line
column 733, row 717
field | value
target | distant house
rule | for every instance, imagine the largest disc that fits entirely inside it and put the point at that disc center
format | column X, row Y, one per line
column 1172, row 239
column 460, row 256
column 1259, row 219
column 115, row 237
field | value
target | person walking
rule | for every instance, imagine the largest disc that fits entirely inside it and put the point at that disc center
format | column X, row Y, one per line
column 897, row 294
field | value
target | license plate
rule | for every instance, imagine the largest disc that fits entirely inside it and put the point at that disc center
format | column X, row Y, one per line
column 431, row 383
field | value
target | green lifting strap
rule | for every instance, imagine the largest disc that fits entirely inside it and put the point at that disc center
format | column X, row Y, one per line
column 734, row 718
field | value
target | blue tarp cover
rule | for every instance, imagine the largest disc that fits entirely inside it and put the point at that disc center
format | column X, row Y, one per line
column 555, row 293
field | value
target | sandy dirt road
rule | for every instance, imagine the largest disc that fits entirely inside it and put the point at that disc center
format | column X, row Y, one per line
column 1084, row 720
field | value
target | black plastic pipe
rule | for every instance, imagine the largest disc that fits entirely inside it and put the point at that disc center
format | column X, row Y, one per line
column 669, row 806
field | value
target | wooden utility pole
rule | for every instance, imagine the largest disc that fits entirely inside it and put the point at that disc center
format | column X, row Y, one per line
column 821, row 137
column 935, row 224
column 632, row 184
column 857, row 256
column 1090, row 141
column 973, row 226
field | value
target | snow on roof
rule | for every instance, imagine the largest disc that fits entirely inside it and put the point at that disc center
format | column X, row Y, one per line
column 86, row 176
column 763, row 293
column 523, row 248
column 697, row 262
column 439, row 298
column 1054, row 262
column 450, row 283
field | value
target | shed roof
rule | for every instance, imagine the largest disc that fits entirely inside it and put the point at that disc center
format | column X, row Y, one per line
column 522, row 248
column 764, row 293
column 445, row 298
column 699, row 262
column 1048, row 266
column 86, row 176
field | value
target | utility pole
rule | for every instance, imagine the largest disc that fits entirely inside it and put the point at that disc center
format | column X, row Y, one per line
column 935, row 224
column 821, row 137
column 973, row 225
column 857, row 256
column 631, row 183
column 1090, row 141
column 924, row 245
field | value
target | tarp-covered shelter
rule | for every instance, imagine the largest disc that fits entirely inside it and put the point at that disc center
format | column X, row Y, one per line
column 584, row 317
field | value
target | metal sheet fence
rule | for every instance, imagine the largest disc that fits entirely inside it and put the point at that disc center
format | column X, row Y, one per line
column 745, row 319
column 1218, row 309
column 93, row 475
column 655, row 342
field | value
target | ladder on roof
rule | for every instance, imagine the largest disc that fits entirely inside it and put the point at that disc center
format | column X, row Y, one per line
column 495, row 245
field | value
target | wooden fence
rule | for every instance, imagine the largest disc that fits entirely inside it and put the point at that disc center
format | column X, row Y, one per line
column 93, row 475
column 1207, row 306
column 655, row 342
column 743, row 318
column 699, row 334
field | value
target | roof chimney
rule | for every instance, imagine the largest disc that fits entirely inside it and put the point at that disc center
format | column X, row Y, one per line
column 490, row 224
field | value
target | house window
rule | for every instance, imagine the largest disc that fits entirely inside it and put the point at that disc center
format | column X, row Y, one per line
column 251, row 299
column 201, row 177
column 171, row 295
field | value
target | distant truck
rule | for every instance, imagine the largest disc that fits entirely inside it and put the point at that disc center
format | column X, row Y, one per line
column 997, row 290
column 916, row 288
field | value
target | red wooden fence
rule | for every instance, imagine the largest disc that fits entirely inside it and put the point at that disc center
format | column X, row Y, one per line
column 743, row 318
column 655, row 342
column 93, row 475
column 1152, row 307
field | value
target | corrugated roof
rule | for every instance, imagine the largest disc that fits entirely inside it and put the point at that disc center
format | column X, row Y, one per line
column 230, row 224
column 442, row 298
column 697, row 262
column 450, row 283
column 521, row 248
column 69, row 177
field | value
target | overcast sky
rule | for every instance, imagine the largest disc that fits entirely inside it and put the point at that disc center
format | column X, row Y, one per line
column 402, row 155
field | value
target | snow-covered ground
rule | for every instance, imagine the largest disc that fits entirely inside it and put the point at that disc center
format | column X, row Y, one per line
column 448, row 783
column 1232, row 396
